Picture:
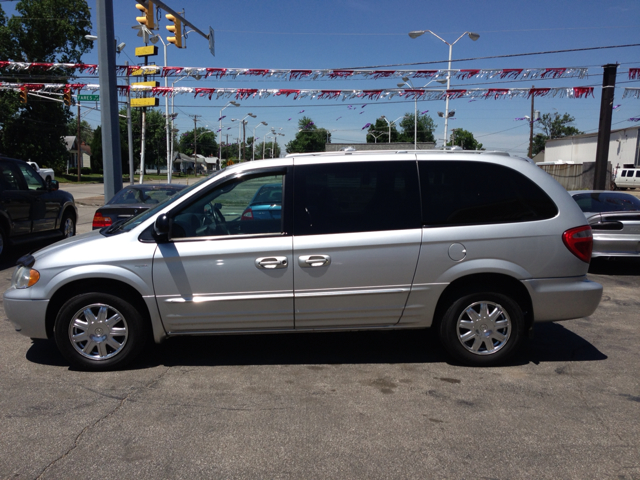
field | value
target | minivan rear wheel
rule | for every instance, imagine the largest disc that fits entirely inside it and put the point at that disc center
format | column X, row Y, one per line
column 482, row 329
column 99, row 331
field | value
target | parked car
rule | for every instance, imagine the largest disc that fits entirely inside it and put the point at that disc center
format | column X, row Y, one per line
column 478, row 246
column 46, row 173
column 615, row 220
column 265, row 204
column 31, row 209
column 131, row 201
column 627, row 178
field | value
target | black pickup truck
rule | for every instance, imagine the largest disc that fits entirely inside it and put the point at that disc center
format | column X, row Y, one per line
column 30, row 208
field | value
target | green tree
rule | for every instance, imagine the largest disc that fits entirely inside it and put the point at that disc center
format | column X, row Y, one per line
column 425, row 128
column 380, row 130
column 155, row 139
column 96, row 150
column 42, row 31
column 464, row 139
column 206, row 142
column 309, row 138
column 553, row 126
column 86, row 131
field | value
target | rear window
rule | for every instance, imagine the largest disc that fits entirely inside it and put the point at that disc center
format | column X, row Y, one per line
column 606, row 202
column 477, row 193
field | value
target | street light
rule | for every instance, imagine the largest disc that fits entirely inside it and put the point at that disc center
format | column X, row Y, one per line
column 253, row 144
column 235, row 104
column 388, row 122
column 407, row 82
column 472, row 36
column 375, row 138
column 239, row 126
column 154, row 39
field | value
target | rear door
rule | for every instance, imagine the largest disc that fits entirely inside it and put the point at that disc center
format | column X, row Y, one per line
column 356, row 242
column 45, row 204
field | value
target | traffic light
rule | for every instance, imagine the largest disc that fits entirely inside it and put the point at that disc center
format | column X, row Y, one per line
column 148, row 18
column 176, row 29
column 67, row 97
column 23, row 94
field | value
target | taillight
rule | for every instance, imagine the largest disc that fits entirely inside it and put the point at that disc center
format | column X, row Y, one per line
column 247, row 214
column 579, row 241
column 99, row 221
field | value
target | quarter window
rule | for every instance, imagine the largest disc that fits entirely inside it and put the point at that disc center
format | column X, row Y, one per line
column 476, row 193
column 356, row 197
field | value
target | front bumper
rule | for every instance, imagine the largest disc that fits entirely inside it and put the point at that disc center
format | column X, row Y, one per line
column 27, row 316
column 557, row 299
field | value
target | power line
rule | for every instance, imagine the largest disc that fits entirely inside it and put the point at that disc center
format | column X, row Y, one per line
column 548, row 52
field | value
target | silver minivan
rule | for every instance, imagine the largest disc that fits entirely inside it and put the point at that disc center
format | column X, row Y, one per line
column 478, row 246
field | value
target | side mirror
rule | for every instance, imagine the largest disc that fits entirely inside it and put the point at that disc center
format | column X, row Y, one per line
column 53, row 185
column 162, row 228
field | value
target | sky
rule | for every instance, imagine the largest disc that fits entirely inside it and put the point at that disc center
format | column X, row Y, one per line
column 330, row 34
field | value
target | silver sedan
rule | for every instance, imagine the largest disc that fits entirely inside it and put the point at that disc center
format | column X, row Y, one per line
column 615, row 220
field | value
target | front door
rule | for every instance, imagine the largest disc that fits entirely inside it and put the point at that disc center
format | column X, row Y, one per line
column 226, row 270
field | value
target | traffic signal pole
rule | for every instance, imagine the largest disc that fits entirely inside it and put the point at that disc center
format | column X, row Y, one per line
column 111, row 156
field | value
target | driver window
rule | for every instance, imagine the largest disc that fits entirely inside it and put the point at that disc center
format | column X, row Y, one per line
column 241, row 207
column 34, row 181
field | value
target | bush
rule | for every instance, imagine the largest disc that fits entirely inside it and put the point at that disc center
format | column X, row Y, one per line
column 85, row 171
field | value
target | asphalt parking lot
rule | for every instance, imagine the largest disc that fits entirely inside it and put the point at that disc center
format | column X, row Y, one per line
column 347, row 405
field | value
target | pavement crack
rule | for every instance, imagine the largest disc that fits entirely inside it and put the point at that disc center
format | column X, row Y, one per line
column 113, row 411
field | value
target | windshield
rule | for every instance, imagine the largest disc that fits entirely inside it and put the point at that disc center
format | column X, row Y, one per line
column 144, row 194
column 138, row 219
column 607, row 202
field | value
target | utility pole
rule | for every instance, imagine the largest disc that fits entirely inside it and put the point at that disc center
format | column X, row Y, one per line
column 604, row 127
column 531, row 126
column 144, row 125
column 108, row 99
column 244, row 126
column 129, row 129
column 195, row 141
column 78, row 145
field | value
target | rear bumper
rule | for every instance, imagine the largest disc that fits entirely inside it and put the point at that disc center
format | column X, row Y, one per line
column 556, row 299
column 616, row 245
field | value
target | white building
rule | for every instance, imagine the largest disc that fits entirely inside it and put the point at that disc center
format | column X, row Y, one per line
column 624, row 148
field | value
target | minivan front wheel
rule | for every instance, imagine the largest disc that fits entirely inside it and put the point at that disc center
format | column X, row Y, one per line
column 98, row 331
column 482, row 329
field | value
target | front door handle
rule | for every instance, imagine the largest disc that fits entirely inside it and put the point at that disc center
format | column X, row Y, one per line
column 308, row 261
column 270, row 263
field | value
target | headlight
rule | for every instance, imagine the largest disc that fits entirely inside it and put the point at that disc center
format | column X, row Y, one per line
column 24, row 277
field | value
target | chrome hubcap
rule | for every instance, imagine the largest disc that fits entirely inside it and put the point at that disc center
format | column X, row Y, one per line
column 483, row 328
column 98, row 331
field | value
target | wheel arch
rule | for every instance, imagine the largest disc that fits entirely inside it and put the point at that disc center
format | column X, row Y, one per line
column 483, row 282
column 100, row 285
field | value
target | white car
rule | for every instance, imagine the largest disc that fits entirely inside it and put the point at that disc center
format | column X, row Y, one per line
column 627, row 178
column 46, row 173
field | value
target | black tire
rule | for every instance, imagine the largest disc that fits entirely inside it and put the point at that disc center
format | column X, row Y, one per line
column 68, row 225
column 484, row 338
column 108, row 337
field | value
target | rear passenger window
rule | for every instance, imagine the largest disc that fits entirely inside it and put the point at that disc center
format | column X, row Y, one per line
column 356, row 197
column 476, row 193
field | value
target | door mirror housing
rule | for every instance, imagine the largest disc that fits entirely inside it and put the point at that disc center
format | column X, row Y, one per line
column 162, row 228
column 53, row 185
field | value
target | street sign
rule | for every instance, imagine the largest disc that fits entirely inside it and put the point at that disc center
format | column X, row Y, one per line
column 145, row 84
column 88, row 98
